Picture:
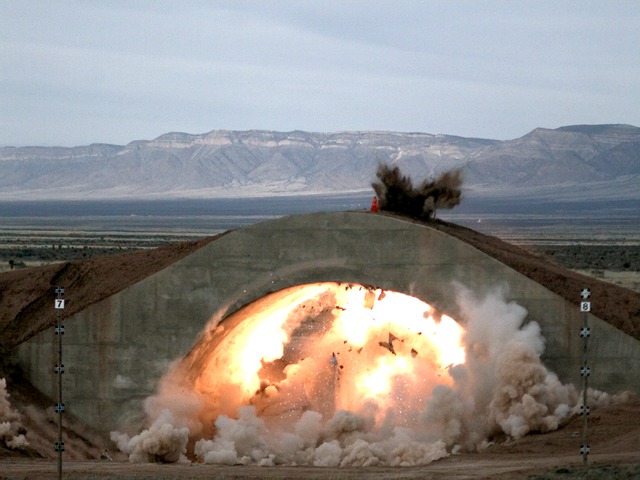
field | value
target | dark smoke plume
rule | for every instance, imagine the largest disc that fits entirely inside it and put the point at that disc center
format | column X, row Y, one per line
column 396, row 192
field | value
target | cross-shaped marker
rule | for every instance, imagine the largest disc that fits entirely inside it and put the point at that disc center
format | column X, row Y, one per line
column 59, row 291
column 585, row 332
column 585, row 293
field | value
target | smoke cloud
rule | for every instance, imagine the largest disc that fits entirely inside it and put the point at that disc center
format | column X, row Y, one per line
column 396, row 192
column 11, row 431
column 310, row 408
column 163, row 441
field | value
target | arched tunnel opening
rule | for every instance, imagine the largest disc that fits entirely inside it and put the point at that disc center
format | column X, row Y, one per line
column 345, row 374
column 324, row 347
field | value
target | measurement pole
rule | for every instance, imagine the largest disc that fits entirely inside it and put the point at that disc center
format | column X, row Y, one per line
column 585, row 371
column 59, row 370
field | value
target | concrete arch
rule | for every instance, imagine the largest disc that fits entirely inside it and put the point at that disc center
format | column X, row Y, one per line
column 117, row 350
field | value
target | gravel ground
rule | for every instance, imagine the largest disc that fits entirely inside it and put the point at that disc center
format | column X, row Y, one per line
column 594, row 257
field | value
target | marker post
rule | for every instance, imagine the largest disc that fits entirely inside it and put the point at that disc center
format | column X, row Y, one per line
column 585, row 371
column 59, row 370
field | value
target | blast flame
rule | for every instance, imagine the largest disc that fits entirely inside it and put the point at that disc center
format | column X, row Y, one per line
column 331, row 347
column 379, row 381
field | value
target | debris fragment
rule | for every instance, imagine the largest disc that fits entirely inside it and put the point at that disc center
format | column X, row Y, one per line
column 105, row 456
column 389, row 345
column 334, row 359
column 369, row 299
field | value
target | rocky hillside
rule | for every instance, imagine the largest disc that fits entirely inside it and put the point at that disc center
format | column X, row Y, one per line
column 254, row 163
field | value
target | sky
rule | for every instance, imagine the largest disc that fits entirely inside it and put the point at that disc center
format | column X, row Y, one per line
column 82, row 72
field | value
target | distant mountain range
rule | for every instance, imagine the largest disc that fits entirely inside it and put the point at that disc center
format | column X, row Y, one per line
column 573, row 162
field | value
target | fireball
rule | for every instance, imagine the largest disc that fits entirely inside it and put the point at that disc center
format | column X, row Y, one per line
column 328, row 347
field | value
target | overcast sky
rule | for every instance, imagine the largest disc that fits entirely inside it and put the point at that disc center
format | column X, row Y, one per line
column 74, row 73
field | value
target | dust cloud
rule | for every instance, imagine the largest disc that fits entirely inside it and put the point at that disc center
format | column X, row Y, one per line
column 11, row 431
column 340, row 375
column 396, row 192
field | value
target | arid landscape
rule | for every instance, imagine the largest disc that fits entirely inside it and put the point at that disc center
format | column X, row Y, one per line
column 614, row 428
column 223, row 208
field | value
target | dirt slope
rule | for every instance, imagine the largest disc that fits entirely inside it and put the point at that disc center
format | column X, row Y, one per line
column 26, row 296
column 617, row 305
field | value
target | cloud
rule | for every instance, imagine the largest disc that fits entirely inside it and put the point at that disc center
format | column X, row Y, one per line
column 461, row 68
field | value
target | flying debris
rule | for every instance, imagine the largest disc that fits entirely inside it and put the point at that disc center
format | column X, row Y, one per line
column 389, row 345
column 414, row 353
column 369, row 299
column 105, row 455
column 334, row 359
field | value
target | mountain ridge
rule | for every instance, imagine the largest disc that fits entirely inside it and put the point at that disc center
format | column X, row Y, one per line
column 231, row 163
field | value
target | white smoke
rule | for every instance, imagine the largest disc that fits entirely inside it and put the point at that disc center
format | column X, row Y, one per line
column 163, row 441
column 10, row 428
column 502, row 390
column 173, row 416
column 503, row 387
column 345, row 440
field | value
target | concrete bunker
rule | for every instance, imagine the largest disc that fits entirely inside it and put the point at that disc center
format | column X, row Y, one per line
column 118, row 349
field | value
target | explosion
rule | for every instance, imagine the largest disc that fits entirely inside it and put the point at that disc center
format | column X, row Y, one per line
column 347, row 375
column 396, row 192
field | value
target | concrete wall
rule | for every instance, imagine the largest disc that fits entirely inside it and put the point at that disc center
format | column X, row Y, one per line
column 116, row 351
